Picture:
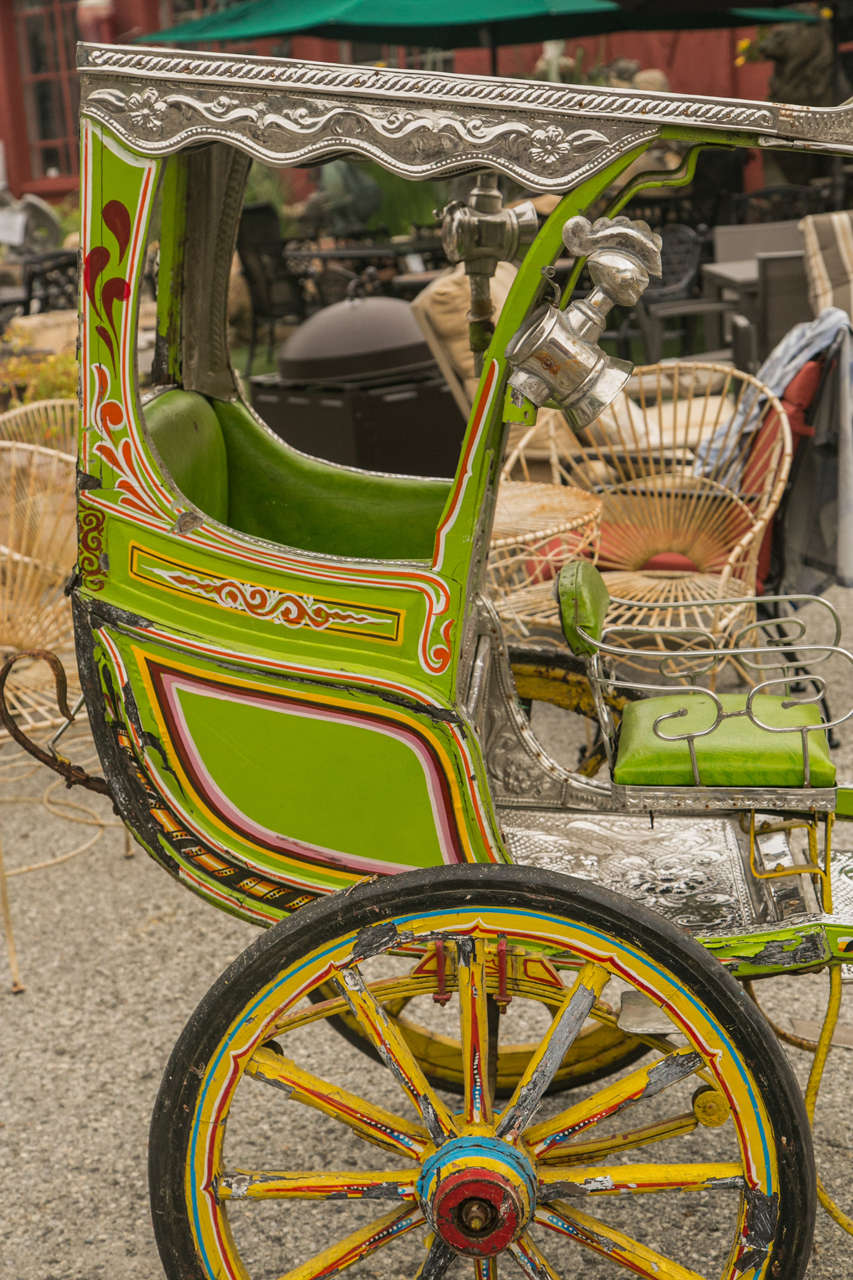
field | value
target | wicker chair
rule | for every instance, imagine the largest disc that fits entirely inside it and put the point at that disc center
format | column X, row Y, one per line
column 37, row 540
column 691, row 462
column 51, row 423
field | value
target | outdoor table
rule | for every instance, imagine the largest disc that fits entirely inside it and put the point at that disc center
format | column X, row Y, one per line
column 740, row 276
column 397, row 249
column 13, row 295
column 408, row 284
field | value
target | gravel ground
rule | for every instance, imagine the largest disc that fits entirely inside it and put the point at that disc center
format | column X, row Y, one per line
column 115, row 956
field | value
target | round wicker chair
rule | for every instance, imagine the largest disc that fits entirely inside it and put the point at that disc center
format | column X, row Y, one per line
column 37, row 541
column 690, row 462
column 52, row 423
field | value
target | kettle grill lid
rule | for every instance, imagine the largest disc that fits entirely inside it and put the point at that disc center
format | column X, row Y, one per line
column 354, row 340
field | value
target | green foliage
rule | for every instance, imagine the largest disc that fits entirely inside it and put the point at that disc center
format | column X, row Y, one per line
column 68, row 213
column 404, row 203
column 266, row 185
column 26, row 376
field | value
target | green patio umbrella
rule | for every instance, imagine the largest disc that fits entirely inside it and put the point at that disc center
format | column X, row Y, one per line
column 462, row 23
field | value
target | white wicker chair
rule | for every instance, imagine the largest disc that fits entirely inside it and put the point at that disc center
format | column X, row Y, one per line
column 690, row 462
column 52, row 423
column 37, row 541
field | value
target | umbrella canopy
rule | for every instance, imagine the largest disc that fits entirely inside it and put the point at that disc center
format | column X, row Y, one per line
column 461, row 23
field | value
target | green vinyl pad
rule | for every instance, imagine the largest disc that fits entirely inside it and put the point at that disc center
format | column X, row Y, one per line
column 738, row 753
column 584, row 601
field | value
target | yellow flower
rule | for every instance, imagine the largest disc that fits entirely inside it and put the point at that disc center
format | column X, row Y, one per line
column 743, row 45
column 740, row 61
column 826, row 12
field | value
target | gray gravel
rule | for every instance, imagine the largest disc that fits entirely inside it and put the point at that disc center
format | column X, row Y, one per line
column 115, row 956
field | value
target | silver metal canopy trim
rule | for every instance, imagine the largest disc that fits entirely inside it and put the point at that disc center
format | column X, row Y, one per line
column 418, row 124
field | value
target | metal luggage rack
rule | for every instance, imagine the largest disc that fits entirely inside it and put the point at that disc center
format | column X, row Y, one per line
column 772, row 655
column 785, row 664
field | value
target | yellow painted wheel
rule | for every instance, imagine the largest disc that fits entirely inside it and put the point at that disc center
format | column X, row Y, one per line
column 600, row 1049
column 279, row 1151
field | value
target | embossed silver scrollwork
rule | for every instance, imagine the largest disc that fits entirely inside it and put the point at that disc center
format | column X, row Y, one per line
column 285, row 128
column 418, row 124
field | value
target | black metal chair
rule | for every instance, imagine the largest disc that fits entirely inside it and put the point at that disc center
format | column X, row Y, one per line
column 674, row 298
column 778, row 204
column 333, row 283
column 275, row 292
column 50, row 281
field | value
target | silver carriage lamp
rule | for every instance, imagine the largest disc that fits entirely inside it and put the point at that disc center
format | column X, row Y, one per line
column 555, row 355
column 481, row 234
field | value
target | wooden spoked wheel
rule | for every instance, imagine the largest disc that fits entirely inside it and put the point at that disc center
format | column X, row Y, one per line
column 278, row 1151
column 601, row 1048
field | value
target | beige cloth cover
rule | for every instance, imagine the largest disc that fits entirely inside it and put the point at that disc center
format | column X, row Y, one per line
column 442, row 312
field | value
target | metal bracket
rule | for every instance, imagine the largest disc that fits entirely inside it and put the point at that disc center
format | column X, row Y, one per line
column 73, row 774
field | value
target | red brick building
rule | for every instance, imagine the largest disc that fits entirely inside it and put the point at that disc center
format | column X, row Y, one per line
column 38, row 82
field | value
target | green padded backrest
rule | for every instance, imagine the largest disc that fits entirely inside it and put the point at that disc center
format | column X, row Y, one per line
column 584, row 601
column 186, row 433
column 278, row 493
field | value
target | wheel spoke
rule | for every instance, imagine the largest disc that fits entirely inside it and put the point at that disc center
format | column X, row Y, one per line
column 392, row 993
column 474, row 1021
column 610, row 1243
column 438, row 1259
column 531, row 1261
column 645, row 1082
column 545, row 1062
column 396, row 1054
column 633, row 1179
column 359, row 1244
column 485, row 1269
column 373, row 1123
column 642, row 1136
column 253, row 1184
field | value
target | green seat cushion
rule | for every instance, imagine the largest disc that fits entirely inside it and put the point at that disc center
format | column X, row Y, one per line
column 738, row 753
column 584, row 601
column 186, row 434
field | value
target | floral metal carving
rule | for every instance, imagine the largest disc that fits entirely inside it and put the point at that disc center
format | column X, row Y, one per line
column 292, row 128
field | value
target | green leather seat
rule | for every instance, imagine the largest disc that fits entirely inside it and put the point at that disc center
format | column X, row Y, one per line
column 738, row 753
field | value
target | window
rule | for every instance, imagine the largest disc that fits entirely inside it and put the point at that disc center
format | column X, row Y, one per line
column 389, row 55
column 47, row 33
column 430, row 59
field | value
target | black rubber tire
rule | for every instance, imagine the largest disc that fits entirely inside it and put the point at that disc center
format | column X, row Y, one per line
column 460, row 889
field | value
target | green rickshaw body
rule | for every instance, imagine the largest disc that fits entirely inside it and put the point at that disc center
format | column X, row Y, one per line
column 276, row 651
column 251, row 688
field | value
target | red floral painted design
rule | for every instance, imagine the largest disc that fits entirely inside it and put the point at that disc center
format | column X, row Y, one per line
column 275, row 606
column 105, row 294
column 108, row 417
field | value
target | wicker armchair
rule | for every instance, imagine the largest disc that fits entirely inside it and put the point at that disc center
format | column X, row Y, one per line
column 51, row 423
column 690, row 462
column 37, row 541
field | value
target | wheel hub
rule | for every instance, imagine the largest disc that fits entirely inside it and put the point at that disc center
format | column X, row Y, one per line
column 478, row 1194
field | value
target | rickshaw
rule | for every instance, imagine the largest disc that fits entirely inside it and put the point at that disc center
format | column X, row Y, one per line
column 306, row 712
